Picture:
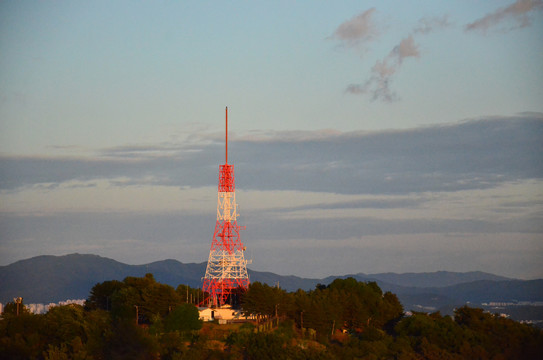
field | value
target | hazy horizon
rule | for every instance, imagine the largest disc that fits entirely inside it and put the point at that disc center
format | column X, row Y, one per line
column 249, row 267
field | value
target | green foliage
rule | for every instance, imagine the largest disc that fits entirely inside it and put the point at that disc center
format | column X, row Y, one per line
column 152, row 299
column 498, row 335
column 64, row 323
column 75, row 350
column 286, row 329
column 128, row 341
column 149, row 296
column 350, row 320
column 172, row 346
column 423, row 329
column 356, row 348
column 184, row 317
column 345, row 304
column 20, row 336
column 262, row 346
column 98, row 328
column 101, row 293
column 264, row 300
column 472, row 334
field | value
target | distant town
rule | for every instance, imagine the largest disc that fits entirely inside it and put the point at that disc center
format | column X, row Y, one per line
column 43, row 308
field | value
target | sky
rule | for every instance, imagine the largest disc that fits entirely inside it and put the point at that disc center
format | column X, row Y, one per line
column 366, row 136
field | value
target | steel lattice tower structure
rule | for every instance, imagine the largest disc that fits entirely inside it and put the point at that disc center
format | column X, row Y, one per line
column 226, row 268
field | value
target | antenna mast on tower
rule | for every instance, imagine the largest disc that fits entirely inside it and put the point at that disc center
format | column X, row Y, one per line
column 226, row 137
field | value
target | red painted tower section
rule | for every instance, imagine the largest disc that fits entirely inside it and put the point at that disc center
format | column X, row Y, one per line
column 226, row 271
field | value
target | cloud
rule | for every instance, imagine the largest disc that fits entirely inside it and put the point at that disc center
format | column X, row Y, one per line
column 168, row 164
column 380, row 203
column 518, row 13
column 378, row 85
column 357, row 30
column 428, row 24
column 343, row 228
column 476, row 154
column 406, row 48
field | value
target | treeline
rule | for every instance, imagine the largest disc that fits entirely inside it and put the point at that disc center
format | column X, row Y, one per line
column 138, row 318
column 356, row 320
column 347, row 305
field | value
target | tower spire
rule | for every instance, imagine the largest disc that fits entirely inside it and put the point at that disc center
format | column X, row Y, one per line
column 226, row 138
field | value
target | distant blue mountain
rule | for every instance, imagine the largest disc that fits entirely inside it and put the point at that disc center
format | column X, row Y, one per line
column 45, row 279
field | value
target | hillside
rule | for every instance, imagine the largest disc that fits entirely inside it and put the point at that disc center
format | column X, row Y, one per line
column 45, row 279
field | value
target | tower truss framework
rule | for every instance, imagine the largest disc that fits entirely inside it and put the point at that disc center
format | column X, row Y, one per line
column 226, row 270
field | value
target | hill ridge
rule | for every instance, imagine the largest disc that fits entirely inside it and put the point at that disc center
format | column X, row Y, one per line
column 50, row 278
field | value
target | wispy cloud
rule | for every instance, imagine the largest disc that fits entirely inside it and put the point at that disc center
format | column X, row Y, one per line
column 518, row 13
column 378, row 85
column 429, row 24
column 377, row 203
column 357, row 30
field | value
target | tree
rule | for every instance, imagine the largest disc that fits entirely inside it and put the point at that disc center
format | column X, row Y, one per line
column 75, row 332
column 498, row 335
column 347, row 303
column 64, row 323
column 184, row 317
column 428, row 332
column 262, row 346
column 20, row 336
column 153, row 300
column 129, row 341
column 101, row 294
column 264, row 300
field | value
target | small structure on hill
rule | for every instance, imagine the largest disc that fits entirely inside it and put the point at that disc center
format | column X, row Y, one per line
column 223, row 315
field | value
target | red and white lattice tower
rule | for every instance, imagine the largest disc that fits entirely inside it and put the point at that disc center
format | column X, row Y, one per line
column 226, row 270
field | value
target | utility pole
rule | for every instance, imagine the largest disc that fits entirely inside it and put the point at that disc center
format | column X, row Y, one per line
column 137, row 314
column 276, row 316
column 18, row 301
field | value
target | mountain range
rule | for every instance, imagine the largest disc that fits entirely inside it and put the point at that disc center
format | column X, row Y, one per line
column 45, row 279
